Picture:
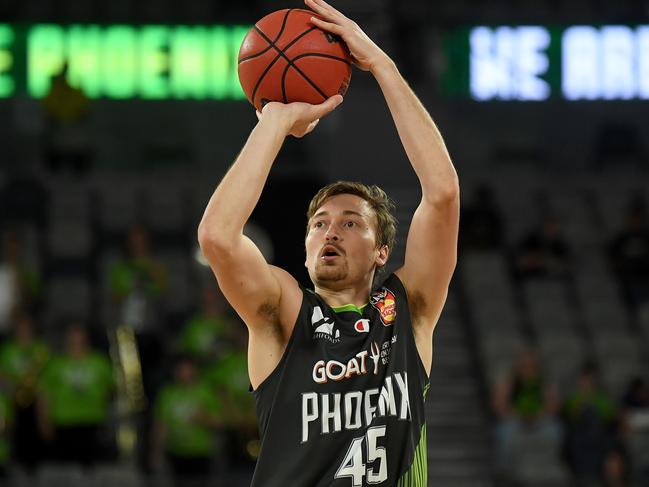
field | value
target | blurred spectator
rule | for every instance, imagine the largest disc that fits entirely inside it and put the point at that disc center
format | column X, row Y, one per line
column 20, row 284
column 138, row 283
column 590, row 416
column 66, row 110
column 77, row 388
column 6, row 423
column 138, row 280
column 629, row 254
column 481, row 221
column 543, row 253
column 186, row 418
column 524, row 402
column 22, row 360
column 204, row 334
column 229, row 378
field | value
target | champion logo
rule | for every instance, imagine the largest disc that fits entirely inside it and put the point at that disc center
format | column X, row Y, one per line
column 362, row 325
column 324, row 326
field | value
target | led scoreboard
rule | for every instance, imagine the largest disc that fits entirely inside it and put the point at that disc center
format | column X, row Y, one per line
column 535, row 63
column 123, row 61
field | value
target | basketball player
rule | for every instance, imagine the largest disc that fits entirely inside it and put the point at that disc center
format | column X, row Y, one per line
column 340, row 374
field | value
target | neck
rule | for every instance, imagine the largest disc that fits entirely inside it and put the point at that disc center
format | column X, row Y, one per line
column 356, row 295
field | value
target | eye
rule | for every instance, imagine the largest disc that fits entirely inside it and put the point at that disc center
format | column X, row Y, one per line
column 318, row 224
column 350, row 224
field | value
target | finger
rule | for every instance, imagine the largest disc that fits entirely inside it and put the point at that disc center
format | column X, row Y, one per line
column 328, row 26
column 258, row 113
column 328, row 106
column 326, row 11
column 326, row 7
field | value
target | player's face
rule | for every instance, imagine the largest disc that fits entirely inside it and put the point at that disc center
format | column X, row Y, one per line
column 341, row 242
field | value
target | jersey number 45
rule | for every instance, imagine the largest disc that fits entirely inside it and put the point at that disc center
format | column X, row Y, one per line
column 353, row 465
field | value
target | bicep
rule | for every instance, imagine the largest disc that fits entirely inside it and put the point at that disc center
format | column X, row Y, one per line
column 247, row 281
column 431, row 252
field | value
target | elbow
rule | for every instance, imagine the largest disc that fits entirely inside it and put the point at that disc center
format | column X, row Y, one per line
column 212, row 242
column 445, row 195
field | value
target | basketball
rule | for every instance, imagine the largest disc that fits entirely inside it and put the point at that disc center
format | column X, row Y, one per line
column 286, row 58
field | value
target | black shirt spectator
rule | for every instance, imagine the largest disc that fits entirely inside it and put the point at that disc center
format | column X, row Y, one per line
column 543, row 253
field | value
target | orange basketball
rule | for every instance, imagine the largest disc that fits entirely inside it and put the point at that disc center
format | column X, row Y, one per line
column 286, row 58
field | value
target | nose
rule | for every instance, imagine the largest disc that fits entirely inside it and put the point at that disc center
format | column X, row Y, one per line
column 331, row 234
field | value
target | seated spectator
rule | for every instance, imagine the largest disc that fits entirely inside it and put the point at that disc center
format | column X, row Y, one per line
column 228, row 377
column 204, row 335
column 186, row 419
column 482, row 226
column 6, row 423
column 591, row 420
column 76, row 391
column 524, row 402
column 543, row 253
column 22, row 360
column 20, row 283
column 629, row 256
column 138, row 283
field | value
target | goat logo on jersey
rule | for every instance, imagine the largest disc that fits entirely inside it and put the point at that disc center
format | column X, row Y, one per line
column 385, row 303
column 324, row 326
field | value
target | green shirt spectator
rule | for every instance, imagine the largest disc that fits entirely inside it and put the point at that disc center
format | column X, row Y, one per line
column 20, row 361
column 230, row 377
column 181, row 408
column 143, row 273
column 78, row 389
column 206, row 334
column 139, row 271
column 202, row 335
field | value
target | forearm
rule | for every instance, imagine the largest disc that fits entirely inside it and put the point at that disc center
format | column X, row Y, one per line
column 238, row 193
column 419, row 135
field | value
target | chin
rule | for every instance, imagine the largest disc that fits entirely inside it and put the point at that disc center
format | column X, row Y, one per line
column 330, row 273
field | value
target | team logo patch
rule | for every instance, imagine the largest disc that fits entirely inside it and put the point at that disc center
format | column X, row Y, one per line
column 385, row 303
column 362, row 325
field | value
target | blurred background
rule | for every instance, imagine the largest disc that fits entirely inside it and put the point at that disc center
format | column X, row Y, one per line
column 120, row 361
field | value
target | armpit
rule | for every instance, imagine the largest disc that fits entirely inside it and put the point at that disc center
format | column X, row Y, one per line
column 269, row 313
column 417, row 303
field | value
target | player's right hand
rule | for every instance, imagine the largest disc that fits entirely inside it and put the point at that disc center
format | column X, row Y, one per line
column 297, row 118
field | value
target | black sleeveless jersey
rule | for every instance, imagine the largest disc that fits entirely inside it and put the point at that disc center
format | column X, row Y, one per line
column 345, row 405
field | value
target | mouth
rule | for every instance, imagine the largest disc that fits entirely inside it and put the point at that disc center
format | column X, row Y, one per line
column 330, row 252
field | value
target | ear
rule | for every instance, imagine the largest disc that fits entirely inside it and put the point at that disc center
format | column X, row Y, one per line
column 382, row 257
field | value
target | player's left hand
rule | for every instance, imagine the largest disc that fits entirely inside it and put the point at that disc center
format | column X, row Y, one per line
column 367, row 55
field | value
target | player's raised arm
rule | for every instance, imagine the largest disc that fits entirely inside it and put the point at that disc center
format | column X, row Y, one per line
column 251, row 286
column 431, row 249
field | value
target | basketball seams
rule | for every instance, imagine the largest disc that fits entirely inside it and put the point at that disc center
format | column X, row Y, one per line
column 321, row 54
column 270, row 43
column 281, row 54
column 307, row 79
